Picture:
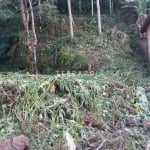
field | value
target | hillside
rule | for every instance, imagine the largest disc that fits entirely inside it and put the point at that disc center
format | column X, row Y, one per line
column 107, row 109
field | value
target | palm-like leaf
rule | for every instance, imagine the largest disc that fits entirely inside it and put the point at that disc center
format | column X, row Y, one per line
column 138, row 6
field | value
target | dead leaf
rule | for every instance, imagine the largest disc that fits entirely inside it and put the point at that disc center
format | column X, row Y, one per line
column 39, row 127
column 90, row 119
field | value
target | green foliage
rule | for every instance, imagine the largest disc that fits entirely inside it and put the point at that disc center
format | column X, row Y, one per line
column 4, row 3
column 81, row 7
column 109, row 21
column 60, row 107
column 65, row 57
column 78, row 6
column 133, row 36
column 84, row 7
column 50, row 55
column 6, row 14
column 90, row 25
column 9, row 31
column 71, row 60
column 58, row 101
column 47, row 12
column 136, row 6
column 8, row 127
column 132, row 9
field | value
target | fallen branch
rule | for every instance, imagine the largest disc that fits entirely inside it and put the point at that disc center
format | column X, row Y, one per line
column 109, row 141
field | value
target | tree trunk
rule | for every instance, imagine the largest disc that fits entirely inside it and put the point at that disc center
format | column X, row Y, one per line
column 70, row 18
column 148, row 39
column 25, row 20
column 99, row 18
column 110, row 6
column 34, row 41
column 80, row 6
column 31, row 39
column 92, row 7
column 39, row 4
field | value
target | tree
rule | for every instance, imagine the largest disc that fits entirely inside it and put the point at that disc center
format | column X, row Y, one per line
column 80, row 6
column 110, row 6
column 138, row 7
column 9, row 29
column 30, row 36
column 92, row 7
column 99, row 18
column 70, row 18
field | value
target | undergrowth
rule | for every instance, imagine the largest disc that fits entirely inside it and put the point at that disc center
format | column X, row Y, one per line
column 101, row 110
column 70, row 102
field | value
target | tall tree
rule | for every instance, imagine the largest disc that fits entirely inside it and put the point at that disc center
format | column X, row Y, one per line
column 40, row 11
column 30, row 36
column 70, row 18
column 80, row 6
column 148, row 42
column 99, row 17
column 92, row 7
column 110, row 6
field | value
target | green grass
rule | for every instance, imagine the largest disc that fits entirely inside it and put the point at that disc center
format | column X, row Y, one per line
column 60, row 101
column 110, row 90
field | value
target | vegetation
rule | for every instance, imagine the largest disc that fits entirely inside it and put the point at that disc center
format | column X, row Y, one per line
column 62, row 77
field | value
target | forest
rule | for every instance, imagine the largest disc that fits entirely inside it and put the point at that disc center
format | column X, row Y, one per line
column 74, row 74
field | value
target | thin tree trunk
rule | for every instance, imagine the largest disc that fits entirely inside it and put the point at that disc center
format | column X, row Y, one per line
column 31, row 39
column 110, row 6
column 25, row 19
column 92, row 7
column 80, row 8
column 99, row 18
column 39, row 4
column 148, row 39
column 70, row 18
column 34, row 41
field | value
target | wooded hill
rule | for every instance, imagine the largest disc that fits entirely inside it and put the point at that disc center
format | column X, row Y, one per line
column 38, row 35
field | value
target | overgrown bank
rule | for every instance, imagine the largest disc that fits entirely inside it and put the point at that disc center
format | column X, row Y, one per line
column 105, row 110
column 91, row 91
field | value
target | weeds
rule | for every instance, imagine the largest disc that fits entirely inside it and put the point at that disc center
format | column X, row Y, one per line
column 100, row 110
column 71, row 102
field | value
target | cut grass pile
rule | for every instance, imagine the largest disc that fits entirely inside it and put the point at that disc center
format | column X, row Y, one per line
column 100, row 111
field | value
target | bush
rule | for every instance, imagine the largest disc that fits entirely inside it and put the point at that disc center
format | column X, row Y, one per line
column 71, row 60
